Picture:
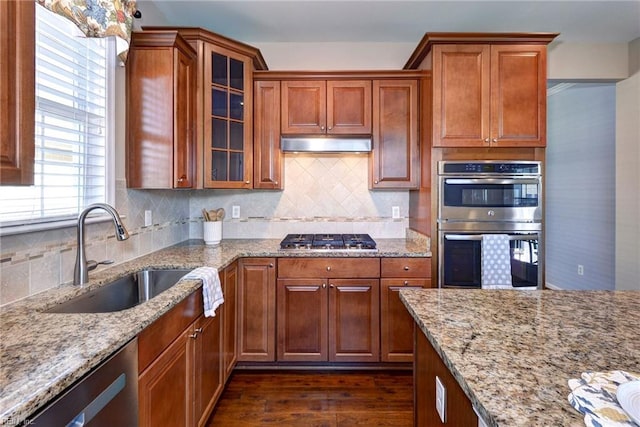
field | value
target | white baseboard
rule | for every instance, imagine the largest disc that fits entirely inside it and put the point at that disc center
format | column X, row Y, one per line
column 552, row 286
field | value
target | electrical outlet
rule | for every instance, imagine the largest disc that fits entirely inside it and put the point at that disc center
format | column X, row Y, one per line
column 235, row 211
column 395, row 212
column 580, row 270
column 441, row 400
column 148, row 218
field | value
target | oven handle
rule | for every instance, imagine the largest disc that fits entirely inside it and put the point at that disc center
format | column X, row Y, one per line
column 448, row 236
column 467, row 181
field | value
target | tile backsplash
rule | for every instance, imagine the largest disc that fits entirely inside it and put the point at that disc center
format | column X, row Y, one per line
column 323, row 193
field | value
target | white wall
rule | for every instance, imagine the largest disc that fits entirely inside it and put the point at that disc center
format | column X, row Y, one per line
column 628, row 175
column 579, row 61
column 580, row 187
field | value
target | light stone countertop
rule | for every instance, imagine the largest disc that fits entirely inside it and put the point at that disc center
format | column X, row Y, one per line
column 512, row 352
column 41, row 354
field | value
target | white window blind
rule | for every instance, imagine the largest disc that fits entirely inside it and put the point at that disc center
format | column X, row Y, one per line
column 71, row 132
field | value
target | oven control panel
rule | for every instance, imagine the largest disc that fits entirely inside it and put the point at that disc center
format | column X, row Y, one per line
column 493, row 168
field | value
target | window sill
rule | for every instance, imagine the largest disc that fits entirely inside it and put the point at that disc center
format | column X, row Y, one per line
column 11, row 230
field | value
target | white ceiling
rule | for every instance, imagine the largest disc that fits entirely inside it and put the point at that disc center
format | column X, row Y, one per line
column 403, row 21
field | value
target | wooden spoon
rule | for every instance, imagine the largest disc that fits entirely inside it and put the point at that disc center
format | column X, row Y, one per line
column 220, row 214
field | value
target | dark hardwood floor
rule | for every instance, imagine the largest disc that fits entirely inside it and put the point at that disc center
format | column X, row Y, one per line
column 316, row 399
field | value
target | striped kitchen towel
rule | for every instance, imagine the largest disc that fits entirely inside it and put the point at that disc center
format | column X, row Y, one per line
column 211, row 288
column 594, row 395
column 496, row 262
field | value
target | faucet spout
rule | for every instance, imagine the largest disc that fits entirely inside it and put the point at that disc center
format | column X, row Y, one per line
column 81, row 270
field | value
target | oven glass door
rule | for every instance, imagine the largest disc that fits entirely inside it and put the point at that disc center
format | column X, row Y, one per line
column 489, row 199
column 461, row 254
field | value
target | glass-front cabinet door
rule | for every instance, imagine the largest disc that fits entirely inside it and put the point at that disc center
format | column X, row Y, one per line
column 228, row 119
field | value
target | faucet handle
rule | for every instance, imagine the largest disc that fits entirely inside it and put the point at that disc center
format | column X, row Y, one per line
column 92, row 264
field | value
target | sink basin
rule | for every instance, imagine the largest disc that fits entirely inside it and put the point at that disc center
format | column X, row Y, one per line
column 122, row 293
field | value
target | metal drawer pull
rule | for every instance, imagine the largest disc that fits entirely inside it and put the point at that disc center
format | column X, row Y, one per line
column 406, row 268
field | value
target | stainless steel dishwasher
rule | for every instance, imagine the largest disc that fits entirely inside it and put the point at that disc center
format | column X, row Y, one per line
column 106, row 396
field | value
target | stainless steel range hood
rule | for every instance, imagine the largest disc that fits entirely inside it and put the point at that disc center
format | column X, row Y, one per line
column 313, row 144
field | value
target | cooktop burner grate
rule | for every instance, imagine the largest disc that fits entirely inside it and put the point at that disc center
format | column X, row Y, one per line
column 328, row 242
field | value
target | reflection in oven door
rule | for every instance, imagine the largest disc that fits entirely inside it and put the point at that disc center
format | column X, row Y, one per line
column 460, row 261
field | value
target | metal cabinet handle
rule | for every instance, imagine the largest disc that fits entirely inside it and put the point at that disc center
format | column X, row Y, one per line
column 406, row 268
column 195, row 333
column 321, row 127
column 375, row 181
column 270, row 265
column 247, row 182
column 183, row 178
column 487, row 140
column 330, row 127
column 324, row 285
column 406, row 283
column 331, row 285
column 494, row 140
column 329, row 268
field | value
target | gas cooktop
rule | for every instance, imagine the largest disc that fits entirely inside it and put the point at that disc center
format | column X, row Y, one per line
column 329, row 242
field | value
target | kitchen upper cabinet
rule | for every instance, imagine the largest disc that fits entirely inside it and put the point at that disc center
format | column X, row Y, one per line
column 268, row 162
column 489, row 95
column 228, row 119
column 161, row 95
column 17, row 92
column 257, row 310
column 224, row 107
column 328, row 310
column 319, row 107
column 395, row 160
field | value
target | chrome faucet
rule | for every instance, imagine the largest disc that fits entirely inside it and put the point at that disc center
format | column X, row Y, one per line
column 81, row 270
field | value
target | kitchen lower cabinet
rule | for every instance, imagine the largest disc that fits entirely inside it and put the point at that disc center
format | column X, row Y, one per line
column 329, row 318
column 396, row 324
column 427, row 367
column 257, row 310
column 180, row 374
column 208, row 378
column 229, row 312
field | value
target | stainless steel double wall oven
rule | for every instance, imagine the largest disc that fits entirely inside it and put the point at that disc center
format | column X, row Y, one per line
column 489, row 197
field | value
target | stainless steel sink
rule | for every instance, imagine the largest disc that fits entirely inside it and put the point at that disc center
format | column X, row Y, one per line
column 122, row 293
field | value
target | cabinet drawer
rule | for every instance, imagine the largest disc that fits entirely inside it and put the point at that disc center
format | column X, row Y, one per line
column 329, row 267
column 406, row 267
column 406, row 282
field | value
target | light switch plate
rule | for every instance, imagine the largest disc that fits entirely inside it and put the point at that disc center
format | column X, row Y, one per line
column 235, row 211
column 441, row 400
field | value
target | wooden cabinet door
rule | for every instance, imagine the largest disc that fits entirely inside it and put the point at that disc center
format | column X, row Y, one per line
column 518, row 95
column 165, row 388
column 348, row 107
column 160, row 138
column 395, row 161
column 428, row 365
column 208, row 379
column 302, row 320
column 229, row 316
column 256, row 310
column 396, row 324
column 354, row 320
column 17, row 92
column 184, row 115
column 461, row 95
column 228, row 124
column 267, row 159
column 304, row 108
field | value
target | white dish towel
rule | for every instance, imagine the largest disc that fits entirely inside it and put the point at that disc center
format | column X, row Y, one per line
column 211, row 288
column 496, row 262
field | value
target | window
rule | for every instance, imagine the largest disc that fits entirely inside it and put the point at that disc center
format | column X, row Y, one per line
column 72, row 135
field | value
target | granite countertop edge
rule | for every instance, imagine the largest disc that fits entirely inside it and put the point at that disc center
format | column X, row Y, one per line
column 41, row 354
column 555, row 334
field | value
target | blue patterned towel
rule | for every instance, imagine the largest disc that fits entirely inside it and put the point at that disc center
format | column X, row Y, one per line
column 211, row 288
column 594, row 395
column 496, row 262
